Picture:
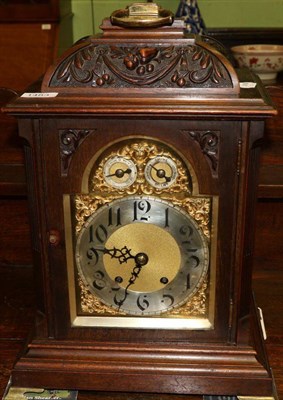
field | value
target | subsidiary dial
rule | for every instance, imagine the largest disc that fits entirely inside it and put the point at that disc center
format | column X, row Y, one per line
column 119, row 172
column 161, row 172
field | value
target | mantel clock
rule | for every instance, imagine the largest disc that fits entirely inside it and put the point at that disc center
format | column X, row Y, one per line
column 142, row 151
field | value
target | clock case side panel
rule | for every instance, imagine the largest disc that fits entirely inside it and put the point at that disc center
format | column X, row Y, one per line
column 249, row 154
column 46, row 236
column 53, row 163
column 28, row 130
column 245, row 318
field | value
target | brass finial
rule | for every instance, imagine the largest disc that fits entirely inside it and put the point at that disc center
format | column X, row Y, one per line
column 142, row 15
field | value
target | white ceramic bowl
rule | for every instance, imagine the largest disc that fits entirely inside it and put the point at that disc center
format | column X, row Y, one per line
column 266, row 60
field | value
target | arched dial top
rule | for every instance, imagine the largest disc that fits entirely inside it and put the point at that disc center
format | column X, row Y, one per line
column 142, row 255
column 139, row 166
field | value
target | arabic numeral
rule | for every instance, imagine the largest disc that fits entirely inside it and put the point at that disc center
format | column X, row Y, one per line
column 195, row 261
column 141, row 209
column 188, row 282
column 114, row 217
column 166, row 225
column 187, row 231
column 118, row 299
column 92, row 255
column 99, row 282
column 142, row 302
column 168, row 299
column 99, row 233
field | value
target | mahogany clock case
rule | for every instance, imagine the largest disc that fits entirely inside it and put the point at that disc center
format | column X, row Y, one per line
column 212, row 127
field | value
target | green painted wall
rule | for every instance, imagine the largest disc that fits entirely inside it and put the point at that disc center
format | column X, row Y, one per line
column 66, row 26
column 242, row 13
column 88, row 14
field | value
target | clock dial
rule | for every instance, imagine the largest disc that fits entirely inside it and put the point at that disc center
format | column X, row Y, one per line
column 161, row 172
column 142, row 255
column 119, row 172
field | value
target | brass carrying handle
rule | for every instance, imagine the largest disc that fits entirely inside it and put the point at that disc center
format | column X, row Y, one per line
column 142, row 15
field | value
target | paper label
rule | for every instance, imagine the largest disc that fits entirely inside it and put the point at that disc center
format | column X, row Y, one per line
column 248, row 85
column 262, row 324
column 15, row 393
column 46, row 27
column 40, row 95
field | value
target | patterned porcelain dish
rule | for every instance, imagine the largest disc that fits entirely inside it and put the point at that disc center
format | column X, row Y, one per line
column 266, row 60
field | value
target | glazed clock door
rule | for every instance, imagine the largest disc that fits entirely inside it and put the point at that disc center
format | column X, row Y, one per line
column 140, row 218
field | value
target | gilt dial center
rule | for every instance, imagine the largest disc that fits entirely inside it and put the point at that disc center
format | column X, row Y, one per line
column 154, row 254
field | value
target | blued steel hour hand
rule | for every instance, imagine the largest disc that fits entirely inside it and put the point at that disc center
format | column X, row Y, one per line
column 122, row 255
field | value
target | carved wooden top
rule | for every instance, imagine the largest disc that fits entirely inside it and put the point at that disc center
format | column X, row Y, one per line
column 157, row 71
column 129, row 65
column 106, row 66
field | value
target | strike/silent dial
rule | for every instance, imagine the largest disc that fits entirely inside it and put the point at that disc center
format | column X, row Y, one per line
column 161, row 172
column 119, row 172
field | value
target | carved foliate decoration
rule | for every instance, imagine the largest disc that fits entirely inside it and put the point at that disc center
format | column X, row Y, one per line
column 209, row 144
column 113, row 66
column 70, row 139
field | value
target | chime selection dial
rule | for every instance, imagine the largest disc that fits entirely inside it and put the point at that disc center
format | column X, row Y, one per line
column 161, row 172
column 119, row 172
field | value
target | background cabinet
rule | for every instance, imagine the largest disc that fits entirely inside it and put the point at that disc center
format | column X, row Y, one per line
column 32, row 33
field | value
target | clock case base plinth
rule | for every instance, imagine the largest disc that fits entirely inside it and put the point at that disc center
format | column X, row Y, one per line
column 183, row 369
